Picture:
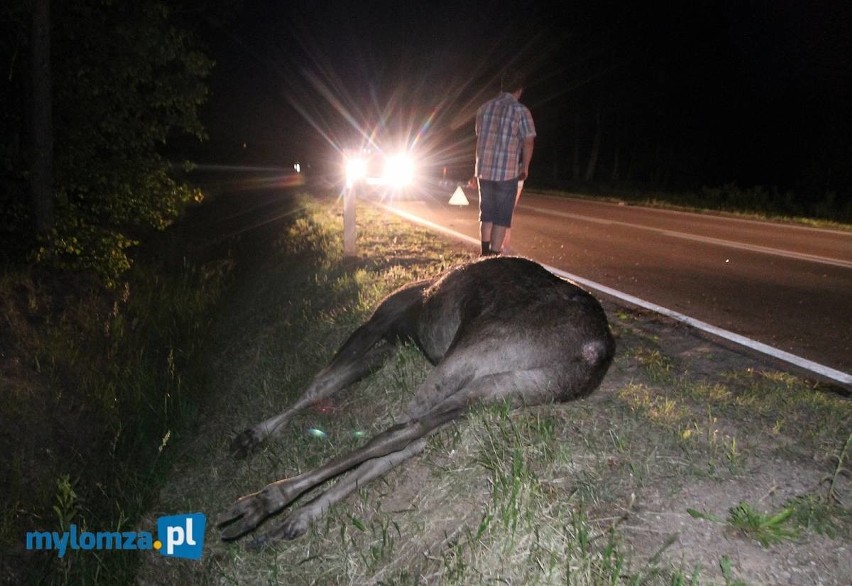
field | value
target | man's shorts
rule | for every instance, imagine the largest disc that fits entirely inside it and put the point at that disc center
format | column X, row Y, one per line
column 497, row 201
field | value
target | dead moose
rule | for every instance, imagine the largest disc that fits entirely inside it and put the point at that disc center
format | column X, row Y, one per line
column 501, row 329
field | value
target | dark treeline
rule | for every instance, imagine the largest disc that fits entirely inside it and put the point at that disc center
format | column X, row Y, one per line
column 647, row 96
column 707, row 93
column 92, row 94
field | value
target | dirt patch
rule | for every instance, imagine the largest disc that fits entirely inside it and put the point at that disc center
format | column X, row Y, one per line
column 660, row 528
column 697, row 543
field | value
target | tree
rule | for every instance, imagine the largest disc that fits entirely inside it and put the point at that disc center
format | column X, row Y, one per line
column 41, row 124
column 126, row 78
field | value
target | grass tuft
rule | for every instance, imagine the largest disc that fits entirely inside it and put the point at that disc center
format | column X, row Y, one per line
column 767, row 529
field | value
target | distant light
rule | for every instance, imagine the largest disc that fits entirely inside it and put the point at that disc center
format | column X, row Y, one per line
column 297, row 167
column 359, row 434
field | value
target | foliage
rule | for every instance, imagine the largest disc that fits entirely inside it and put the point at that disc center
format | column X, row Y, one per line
column 98, row 387
column 126, row 79
column 767, row 201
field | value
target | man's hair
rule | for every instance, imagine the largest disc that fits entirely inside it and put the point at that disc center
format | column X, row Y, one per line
column 512, row 80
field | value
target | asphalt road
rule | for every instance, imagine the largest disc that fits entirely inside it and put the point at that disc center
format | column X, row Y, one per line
column 787, row 286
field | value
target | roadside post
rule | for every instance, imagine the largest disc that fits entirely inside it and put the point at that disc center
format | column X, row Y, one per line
column 349, row 221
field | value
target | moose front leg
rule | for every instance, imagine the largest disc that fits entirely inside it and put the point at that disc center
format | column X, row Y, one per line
column 297, row 522
column 251, row 510
column 337, row 375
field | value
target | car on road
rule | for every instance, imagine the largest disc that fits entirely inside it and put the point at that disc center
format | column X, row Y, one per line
column 372, row 170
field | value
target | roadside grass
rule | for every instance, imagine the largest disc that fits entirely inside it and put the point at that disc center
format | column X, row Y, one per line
column 95, row 384
column 573, row 494
column 767, row 529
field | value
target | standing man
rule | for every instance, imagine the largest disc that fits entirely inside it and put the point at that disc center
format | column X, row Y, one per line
column 505, row 135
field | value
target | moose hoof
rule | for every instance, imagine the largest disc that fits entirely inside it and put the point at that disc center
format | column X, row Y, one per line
column 246, row 444
column 294, row 526
column 248, row 513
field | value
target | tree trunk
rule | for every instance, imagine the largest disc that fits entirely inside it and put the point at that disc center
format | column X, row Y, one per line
column 596, row 148
column 41, row 119
column 615, row 176
column 575, row 163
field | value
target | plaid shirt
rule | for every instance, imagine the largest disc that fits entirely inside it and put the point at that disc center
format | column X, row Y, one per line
column 502, row 124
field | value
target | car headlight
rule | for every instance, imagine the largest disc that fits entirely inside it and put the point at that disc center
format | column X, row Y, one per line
column 356, row 169
column 399, row 170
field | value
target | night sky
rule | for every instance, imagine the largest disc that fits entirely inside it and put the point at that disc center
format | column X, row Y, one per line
column 684, row 94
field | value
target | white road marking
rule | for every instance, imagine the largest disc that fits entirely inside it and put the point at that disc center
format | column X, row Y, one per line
column 820, row 369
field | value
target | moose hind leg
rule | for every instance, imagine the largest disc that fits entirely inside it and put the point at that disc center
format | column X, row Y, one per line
column 251, row 510
column 387, row 450
column 298, row 521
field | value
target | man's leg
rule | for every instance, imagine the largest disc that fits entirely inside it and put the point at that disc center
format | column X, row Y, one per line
column 505, row 193
column 485, row 234
column 497, row 235
column 507, row 238
column 486, row 214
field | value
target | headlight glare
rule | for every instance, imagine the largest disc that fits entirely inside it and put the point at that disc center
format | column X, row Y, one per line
column 399, row 170
column 356, row 169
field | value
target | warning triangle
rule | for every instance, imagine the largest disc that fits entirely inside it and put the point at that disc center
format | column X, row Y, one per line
column 459, row 198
